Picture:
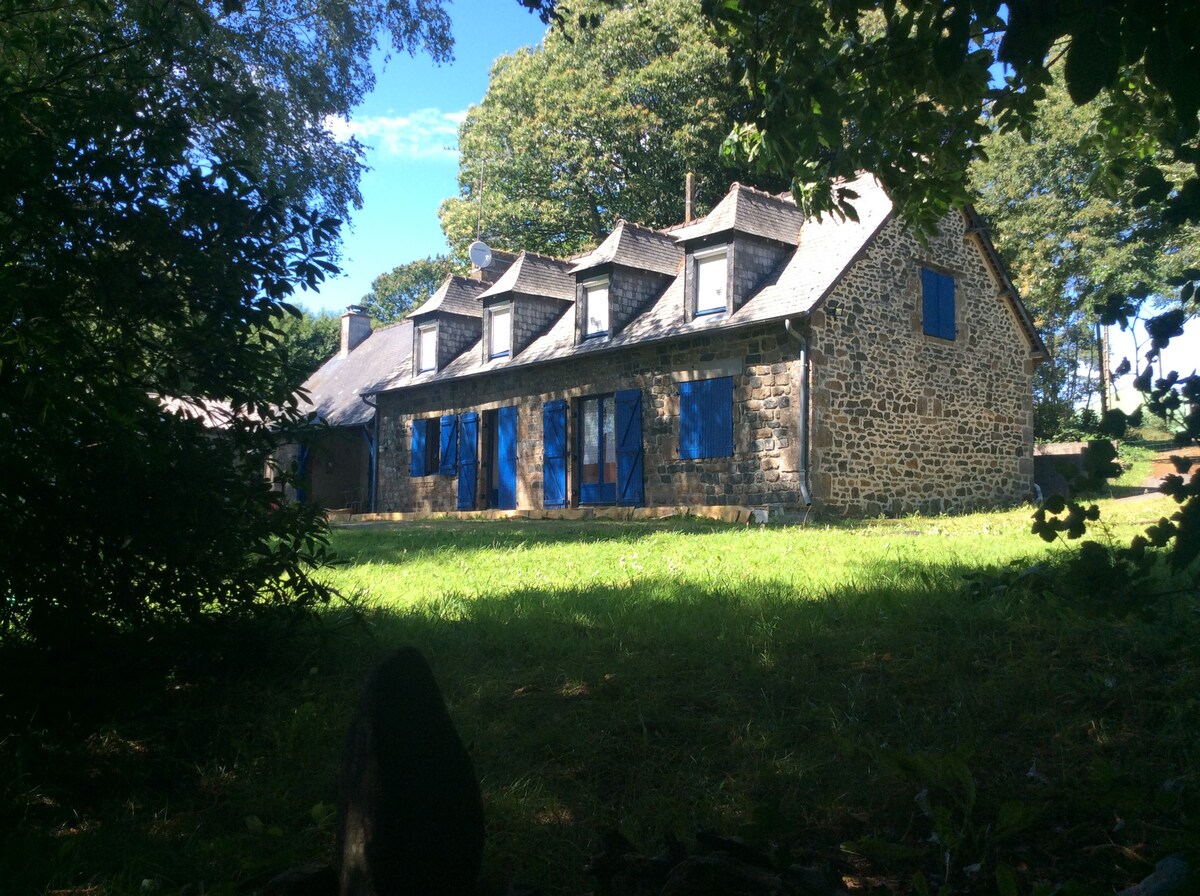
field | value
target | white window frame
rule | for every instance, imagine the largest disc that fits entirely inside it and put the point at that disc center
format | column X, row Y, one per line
column 701, row 258
column 427, row 354
column 596, row 324
column 494, row 351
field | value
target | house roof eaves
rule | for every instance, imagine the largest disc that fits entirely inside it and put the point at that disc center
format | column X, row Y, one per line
column 978, row 229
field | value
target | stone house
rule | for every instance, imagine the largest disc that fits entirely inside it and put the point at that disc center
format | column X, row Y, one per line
column 750, row 358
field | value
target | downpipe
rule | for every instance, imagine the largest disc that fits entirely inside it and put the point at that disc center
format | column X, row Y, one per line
column 803, row 435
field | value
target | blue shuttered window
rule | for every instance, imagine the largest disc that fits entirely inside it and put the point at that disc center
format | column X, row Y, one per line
column 449, row 446
column 937, row 304
column 554, row 454
column 468, row 460
column 706, row 418
column 630, row 490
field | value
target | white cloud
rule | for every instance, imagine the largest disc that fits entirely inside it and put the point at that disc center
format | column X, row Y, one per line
column 422, row 134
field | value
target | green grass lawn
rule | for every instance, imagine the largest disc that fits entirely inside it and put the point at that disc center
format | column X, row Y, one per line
column 796, row 686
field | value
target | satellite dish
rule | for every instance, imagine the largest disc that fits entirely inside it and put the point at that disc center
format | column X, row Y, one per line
column 480, row 254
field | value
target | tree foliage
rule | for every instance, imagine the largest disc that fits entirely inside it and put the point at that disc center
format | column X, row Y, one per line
column 308, row 341
column 900, row 89
column 602, row 121
column 1068, row 245
column 164, row 187
column 398, row 292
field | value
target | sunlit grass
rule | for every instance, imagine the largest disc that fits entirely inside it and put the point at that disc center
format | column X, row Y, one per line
column 655, row 677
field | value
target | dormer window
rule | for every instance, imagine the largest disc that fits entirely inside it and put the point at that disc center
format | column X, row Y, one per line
column 595, row 308
column 499, row 331
column 426, row 348
column 712, row 280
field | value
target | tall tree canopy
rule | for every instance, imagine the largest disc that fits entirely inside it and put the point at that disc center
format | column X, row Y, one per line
column 165, row 184
column 900, row 89
column 602, row 121
column 396, row 293
column 1068, row 244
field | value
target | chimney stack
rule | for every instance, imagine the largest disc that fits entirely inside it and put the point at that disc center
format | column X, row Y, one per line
column 687, row 199
column 356, row 327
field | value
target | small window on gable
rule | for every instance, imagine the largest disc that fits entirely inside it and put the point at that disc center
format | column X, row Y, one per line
column 937, row 304
column 595, row 308
column 426, row 348
column 500, row 331
column 706, row 418
column 423, row 460
column 712, row 275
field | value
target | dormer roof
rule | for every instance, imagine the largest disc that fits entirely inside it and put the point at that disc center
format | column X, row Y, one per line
column 535, row 275
column 749, row 211
column 456, row 295
column 634, row 247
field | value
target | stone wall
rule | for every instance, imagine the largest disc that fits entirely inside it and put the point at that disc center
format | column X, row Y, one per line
column 762, row 471
column 906, row 422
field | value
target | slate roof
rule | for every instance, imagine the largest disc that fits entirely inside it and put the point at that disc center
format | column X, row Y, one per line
column 334, row 392
column 535, row 275
column 750, row 211
column 456, row 295
column 634, row 247
column 825, row 250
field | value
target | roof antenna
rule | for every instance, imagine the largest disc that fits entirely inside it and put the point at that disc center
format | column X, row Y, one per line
column 687, row 199
column 479, row 252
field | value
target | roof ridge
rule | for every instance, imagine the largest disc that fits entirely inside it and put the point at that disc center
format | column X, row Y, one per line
column 539, row 255
column 756, row 191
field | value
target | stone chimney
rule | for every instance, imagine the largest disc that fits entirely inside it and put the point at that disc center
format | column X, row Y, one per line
column 501, row 262
column 356, row 327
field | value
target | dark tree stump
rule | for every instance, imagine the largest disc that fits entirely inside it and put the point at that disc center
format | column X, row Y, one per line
column 409, row 807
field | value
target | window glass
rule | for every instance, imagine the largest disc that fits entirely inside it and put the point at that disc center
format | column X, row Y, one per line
column 596, row 309
column 609, row 436
column 711, row 275
column 426, row 348
column 591, row 441
column 501, row 331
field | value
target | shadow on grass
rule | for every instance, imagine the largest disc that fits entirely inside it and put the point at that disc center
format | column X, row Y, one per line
column 653, row 708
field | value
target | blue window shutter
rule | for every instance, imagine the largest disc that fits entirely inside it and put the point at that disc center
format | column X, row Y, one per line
column 706, row 418
column 937, row 304
column 630, row 490
column 506, row 433
column 689, row 420
column 468, row 460
column 449, row 446
column 416, row 462
column 946, row 306
column 720, row 415
column 554, row 457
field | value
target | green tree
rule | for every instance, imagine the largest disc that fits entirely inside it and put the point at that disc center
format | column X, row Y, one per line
column 308, row 341
column 602, row 121
column 398, row 292
column 1067, row 245
column 164, row 182
column 900, row 90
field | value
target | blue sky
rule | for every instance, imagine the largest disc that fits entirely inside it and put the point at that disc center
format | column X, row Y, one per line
column 410, row 124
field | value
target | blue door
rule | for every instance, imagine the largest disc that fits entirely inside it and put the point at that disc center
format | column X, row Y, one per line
column 554, row 458
column 630, row 491
column 468, row 460
column 597, row 450
column 503, row 492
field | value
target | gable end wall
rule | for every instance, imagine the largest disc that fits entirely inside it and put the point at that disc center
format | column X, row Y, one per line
column 904, row 422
